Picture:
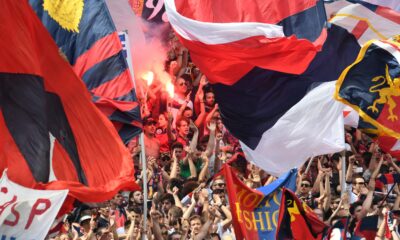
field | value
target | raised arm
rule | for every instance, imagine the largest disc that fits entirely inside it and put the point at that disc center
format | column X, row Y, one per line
column 211, row 141
column 155, row 226
column 371, row 188
column 349, row 174
column 204, row 170
column 174, row 168
column 170, row 134
column 327, row 200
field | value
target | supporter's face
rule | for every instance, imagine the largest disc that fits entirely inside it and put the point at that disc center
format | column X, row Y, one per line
column 210, row 99
column 136, row 217
column 222, row 197
column 118, row 199
column 183, row 128
column 305, row 187
column 162, row 121
column 138, row 197
column 220, row 125
column 181, row 86
column 178, row 152
column 149, row 128
column 219, row 184
column 188, row 114
column 335, row 204
column 85, row 225
column 166, row 205
column 358, row 184
column 357, row 212
column 195, row 226
column 105, row 211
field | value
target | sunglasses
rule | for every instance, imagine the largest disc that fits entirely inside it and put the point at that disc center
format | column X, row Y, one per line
column 305, row 185
column 360, row 183
column 220, row 185
column 183, row 84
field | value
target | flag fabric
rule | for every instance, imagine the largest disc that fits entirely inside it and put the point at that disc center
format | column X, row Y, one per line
column 351, row 117
column 291, row 129
column 297, row 220
column 252, row 97
column 125, row 21
column 369, row 86
column 388, row 144
column 52, row 135
column 226, row 41
column 27, row 213
column 366, row 228
column 338, row 230
column 149, row 11
column 367, row 21
column 86, row 35
column 242, row 211
column 393, row 4
column 269, row 206
column 255, row 212
column 386, row 179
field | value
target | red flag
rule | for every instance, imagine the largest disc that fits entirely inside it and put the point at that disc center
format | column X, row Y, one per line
column 51, row 134
column 296, row 219
column 367, row 227
column 243, row 200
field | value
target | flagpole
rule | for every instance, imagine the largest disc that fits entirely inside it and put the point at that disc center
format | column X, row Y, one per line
column 144, row 178
column 141, row 138
column 343, row 177
column 309, row 165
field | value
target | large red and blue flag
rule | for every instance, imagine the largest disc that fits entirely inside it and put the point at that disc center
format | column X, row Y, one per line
column 86, row 35
column 266, row 61
column 51, row 135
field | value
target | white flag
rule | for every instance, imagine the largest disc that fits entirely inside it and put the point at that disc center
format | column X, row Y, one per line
column 27, row 213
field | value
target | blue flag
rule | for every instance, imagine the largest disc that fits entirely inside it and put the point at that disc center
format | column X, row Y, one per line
column 268, row 210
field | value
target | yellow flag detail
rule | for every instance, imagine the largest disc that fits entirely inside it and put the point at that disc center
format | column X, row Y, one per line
column 67, row 13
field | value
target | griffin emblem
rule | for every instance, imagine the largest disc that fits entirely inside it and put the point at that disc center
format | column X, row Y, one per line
column 386, row 94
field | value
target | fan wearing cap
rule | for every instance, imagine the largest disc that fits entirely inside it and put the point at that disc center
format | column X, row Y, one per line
column 151, row 143
column 88, row 224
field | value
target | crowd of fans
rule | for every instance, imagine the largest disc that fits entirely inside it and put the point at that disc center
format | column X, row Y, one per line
column 186, row 144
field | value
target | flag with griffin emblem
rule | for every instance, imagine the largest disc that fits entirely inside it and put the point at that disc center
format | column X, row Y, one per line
column 371, row 86
column 297, row 220
column 86, row 35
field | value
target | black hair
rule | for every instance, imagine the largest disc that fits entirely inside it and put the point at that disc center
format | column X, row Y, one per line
column 176, row 145
column 354, row 206
column 168, row 197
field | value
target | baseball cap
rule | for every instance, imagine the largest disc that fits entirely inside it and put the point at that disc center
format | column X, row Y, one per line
column 84, row 218
column 149, row 120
